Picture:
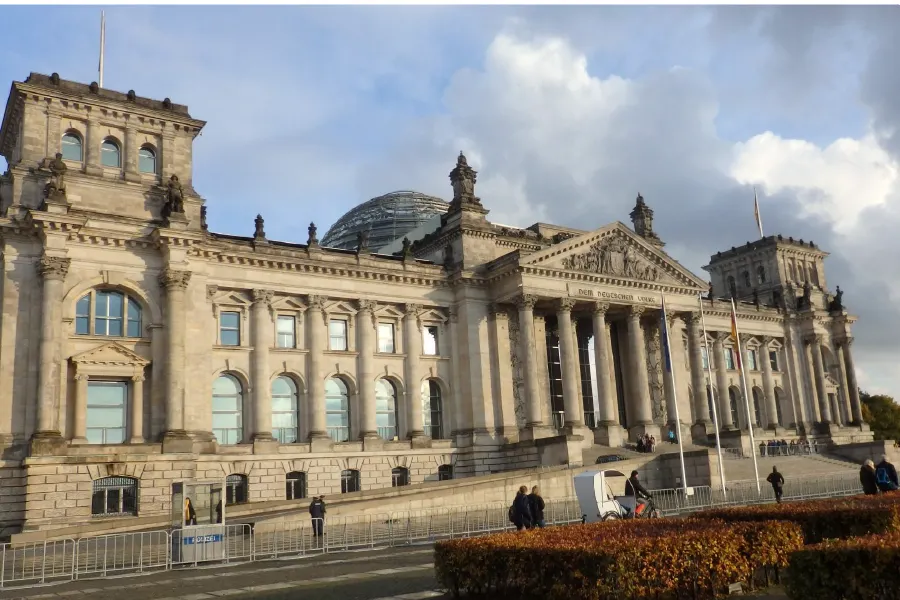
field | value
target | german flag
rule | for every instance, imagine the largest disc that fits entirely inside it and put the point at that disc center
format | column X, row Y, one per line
column 734, row 334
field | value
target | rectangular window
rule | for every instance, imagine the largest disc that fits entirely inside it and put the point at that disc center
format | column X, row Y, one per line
column 430, row 339
column 752, row 358
column 773, row 359
column 337, row 334
column 106, row 408
column 286, row 331
column 386, row 338
column 230, row 329
column 109, row 313
column 729, row 358
column 134, row 319
column 83, row 316
column 705, row 357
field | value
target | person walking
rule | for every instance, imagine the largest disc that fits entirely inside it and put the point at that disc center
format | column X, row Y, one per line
column 520, row 511
column 867, row 479
column 886, row 476
column 537, row 507
column 317, row 514
column 777, row 480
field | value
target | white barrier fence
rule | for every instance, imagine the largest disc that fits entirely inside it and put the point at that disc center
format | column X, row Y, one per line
column 23, row 565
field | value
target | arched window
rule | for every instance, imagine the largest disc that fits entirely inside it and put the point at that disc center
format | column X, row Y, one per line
column 445, row 472
column 147, row 160
column 813, row 275
column 110, row 154
column 747, row 283
column 284, row 410
column 114, row 496
column 432, row 409
column 386, row 409
column 72, row 148
column 227, row 410
column 732, row 286
column 757, row 402
column 337, row 409
column 399, row 476
column 295, row 485
column 108, row 313
column 349, row 481
column 235, row 489
column 733, row 405
column 107, row 412
column 760, row 274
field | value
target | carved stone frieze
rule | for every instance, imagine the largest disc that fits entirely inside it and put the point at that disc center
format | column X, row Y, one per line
column 517, row 367
column 613, row 256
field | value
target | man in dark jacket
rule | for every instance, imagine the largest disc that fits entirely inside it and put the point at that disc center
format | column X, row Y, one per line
column 536, row 503
column 886, row 476
column 867, row 478
column 634, row 488
column 777, row 481
column 317, row 514
column 521, row 510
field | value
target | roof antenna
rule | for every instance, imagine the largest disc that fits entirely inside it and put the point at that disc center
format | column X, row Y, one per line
column 102, row 45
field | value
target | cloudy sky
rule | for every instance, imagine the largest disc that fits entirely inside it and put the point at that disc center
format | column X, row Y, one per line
column 566, row 112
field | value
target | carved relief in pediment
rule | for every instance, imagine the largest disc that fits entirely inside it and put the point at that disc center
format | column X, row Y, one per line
column 614, row 256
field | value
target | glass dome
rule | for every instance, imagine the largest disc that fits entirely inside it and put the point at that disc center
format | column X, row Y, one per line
column 386, row 218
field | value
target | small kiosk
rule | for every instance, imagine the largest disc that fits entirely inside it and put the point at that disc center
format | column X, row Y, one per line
column 198, row 521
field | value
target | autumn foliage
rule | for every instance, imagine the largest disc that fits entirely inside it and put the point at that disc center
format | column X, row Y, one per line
column 624, row 560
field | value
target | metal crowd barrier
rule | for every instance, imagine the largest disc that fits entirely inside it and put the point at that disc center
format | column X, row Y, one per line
column 23, row 565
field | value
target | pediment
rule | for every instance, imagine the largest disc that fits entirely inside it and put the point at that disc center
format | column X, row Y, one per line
column 340, row 307
column 229, row 298
column 431, row 315
column 389, row 312
column 288, row 303
column 110, row 354
column 615, row 252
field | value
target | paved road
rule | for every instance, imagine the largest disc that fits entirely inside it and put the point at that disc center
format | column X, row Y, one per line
column 388, row 574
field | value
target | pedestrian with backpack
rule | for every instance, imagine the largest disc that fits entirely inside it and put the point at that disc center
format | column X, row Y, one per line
column 520, row 511
column 777, row 480
column 886, row 476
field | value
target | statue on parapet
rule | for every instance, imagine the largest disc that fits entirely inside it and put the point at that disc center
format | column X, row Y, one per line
column 462, row 179
column 174, row 196
column 56, row 187
column 837, row 303
column 807, row 295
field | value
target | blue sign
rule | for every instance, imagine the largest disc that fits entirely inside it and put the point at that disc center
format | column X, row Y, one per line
column 202, row 539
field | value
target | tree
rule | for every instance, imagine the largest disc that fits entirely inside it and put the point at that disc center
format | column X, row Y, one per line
column 882, row 414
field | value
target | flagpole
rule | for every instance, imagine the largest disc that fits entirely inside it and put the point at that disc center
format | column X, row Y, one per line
column 737, row 341
column 756, row 213
column 102, row 45
column 668, row 349
column 712, row 395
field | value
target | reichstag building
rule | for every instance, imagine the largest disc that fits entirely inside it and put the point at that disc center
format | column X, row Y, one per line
column 416, row 341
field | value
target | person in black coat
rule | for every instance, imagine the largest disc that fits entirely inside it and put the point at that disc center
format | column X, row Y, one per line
column 317, row 514
column 867, row 478
column 537, row 507
column 777, row 480
column 521, row 510
column 886, row 476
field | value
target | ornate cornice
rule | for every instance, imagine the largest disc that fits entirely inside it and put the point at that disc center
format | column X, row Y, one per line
column 54, row 268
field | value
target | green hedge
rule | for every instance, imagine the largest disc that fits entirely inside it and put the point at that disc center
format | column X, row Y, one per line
column 624, row 560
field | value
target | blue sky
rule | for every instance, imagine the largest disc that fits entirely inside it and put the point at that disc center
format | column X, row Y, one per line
column 567, row 112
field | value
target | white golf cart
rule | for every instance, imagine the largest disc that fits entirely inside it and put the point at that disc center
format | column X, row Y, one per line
column 601, row 496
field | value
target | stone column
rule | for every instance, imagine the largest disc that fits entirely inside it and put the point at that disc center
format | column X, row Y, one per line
column 810, row 381
column 725, row 419
column 261, row 335
column 637, row 363
column 79, row 429
column 413, row 346
column 175, row 283
column 315, row 324
column 568, row 356
column 92, row 148
column 769, row 387
column 53, row 269
column 365, row 325
column 529, row 359
column 850, row 380
column 130, row 155
column 698, row 373
column 815, row 346
column 609, row 431
column 137, row 410
column 669, row 390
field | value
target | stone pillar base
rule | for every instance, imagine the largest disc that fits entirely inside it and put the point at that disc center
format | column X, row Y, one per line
column 320, row 443
column 372, row 443
column 420, row 441
column 265, row 446
column 537, row 432
column 177, row 442
column 638, row 430
column 700, row 431
column 47, row 443
column 582, row 431
column 610, row 434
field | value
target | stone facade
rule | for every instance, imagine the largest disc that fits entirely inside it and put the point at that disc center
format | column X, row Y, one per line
column 138, row 349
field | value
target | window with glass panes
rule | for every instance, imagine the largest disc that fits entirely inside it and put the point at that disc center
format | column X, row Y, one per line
column 432, row 409
column 399, row 477
column 147, row 160
column 235, row 489
column 554, row 368
column 286, row 330
column 107, row 403
column 110, row 155
column 284, row 410
column 773, row 359
column 114, row 496
column 430, row 340
column 229, row 328
column 349, row 481
column 386, row 338
column 295, row 484
column 704, row 357
column 729, row 358
column 337, row 410
column 108, row 313
column 72, row 148
column 753, row 359
column 227, row 410
column 733, row 405
column 386, row 409
column 337, row 334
